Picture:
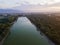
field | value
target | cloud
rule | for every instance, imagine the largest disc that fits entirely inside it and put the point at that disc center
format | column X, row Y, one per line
column 14, row 3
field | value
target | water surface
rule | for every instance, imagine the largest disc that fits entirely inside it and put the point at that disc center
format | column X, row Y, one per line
column 23, row 32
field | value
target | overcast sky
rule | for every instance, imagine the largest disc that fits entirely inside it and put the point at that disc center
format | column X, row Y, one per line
column 14, row 3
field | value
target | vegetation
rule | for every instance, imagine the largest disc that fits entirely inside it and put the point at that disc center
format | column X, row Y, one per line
column 5, row 24
column 49, row 24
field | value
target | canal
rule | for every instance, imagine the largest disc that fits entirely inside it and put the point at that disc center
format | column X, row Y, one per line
column 23, row 32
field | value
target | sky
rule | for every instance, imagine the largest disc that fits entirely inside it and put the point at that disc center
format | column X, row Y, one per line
column 15, row 3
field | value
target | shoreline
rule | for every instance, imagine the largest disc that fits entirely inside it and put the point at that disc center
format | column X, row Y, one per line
column 42, row 30
column 6, row 27
column 1, row 43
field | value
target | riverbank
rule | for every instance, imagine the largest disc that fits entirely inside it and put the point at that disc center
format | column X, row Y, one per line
column 5, row 25
column 1, row 43
column 49, row 25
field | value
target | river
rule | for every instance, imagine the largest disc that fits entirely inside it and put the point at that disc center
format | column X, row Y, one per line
column 23, row 32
